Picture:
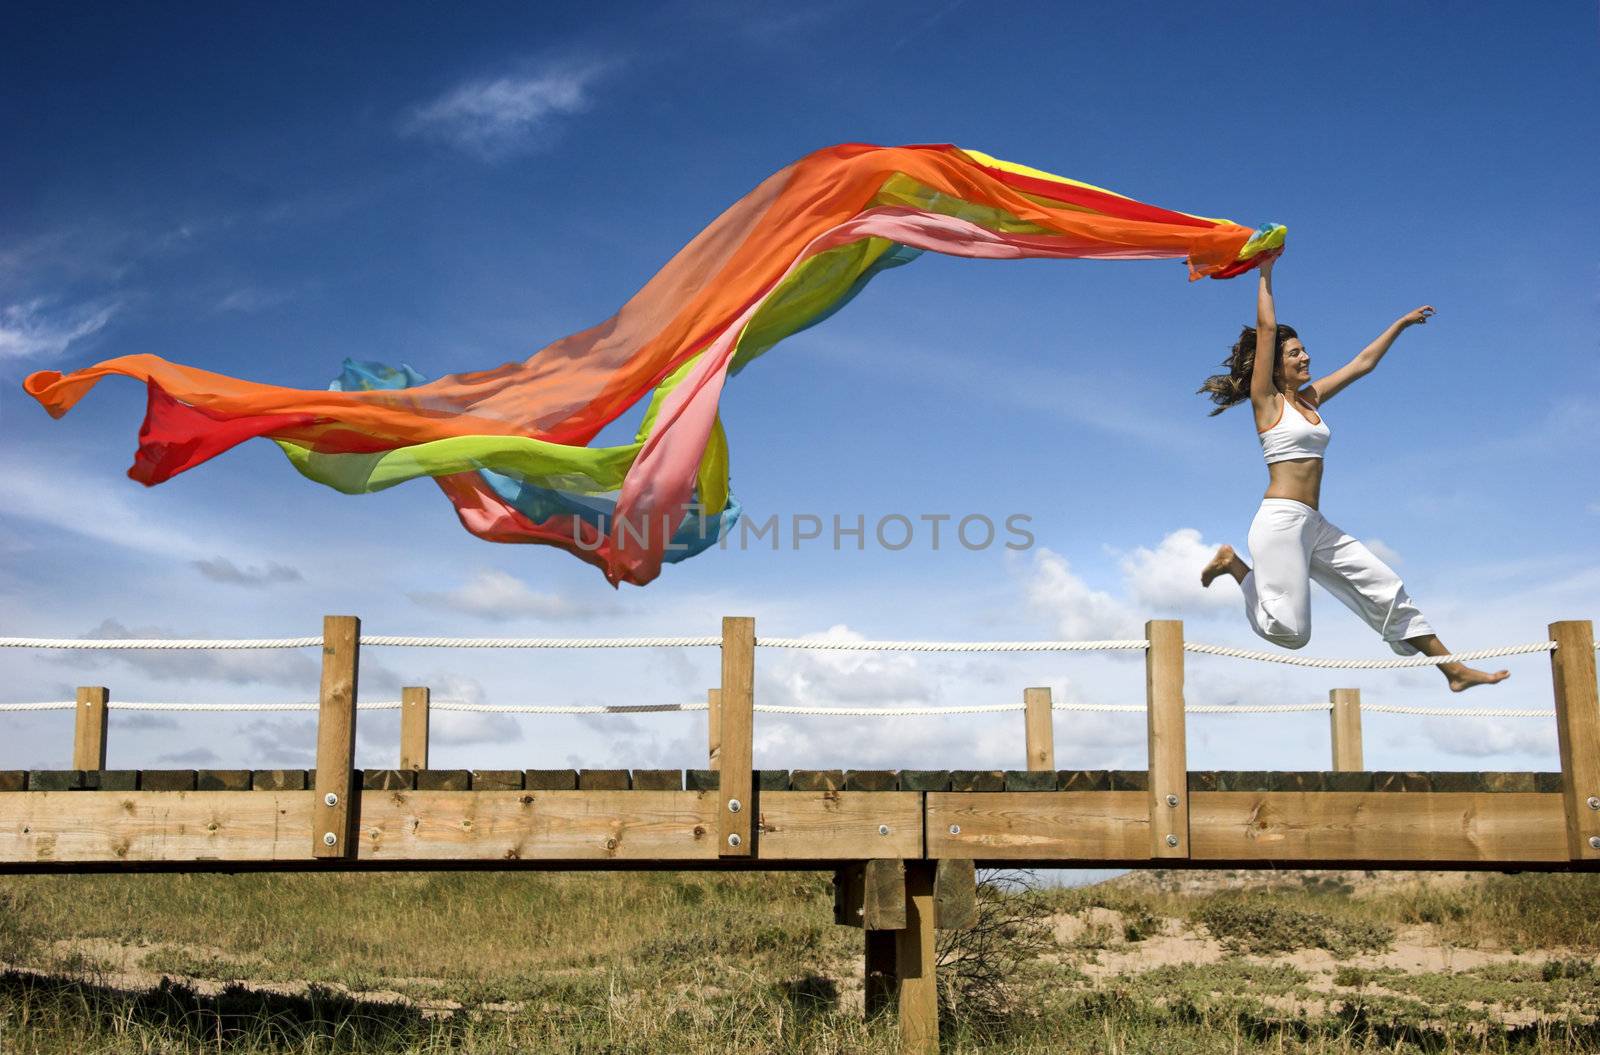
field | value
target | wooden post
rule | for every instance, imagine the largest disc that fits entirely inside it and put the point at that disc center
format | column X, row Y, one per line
column 916, row 982
column 1040, row 729
column 332, row 818
column 736, row 730
column 1578, row 732
column 414, row 703
column 89, row 728
column 714, row 726
column 1345, row 723
column 1169, row 766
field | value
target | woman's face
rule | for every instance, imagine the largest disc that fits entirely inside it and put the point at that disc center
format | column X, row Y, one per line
column 1295, row 367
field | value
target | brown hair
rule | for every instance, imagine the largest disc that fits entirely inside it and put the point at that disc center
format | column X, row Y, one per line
column 1234, row 386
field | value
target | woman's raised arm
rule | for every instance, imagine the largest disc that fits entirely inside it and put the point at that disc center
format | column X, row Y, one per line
column 1262, row 388
column 1369, row 357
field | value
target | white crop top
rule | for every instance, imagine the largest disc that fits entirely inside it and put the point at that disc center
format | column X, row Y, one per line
column 1294, row 434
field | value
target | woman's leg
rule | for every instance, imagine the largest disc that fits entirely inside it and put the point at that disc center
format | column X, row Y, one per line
column 1277, row 591
column 1350, row 571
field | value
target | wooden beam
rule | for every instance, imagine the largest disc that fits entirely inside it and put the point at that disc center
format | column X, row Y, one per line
column 336, row 738
column 870, row 895
column 69, row 827
column 537, row 825
column 89, row 728
column 835, row 825
column 1040, row 723
column 1412, row 827
column 1345, row 729
column 1169, row 768
column 915, row 958
column 714, row 727
column 1038, row 825
column 955, row 894
column 1572, row 670
column 735, row 763
column 414, row 704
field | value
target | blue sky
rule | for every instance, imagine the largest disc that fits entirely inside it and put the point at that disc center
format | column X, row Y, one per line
column 266, row 192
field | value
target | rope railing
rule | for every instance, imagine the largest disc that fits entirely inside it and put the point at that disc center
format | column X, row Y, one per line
column 461, row 706
column 795, row 643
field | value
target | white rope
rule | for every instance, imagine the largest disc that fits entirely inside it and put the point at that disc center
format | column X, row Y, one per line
column 139, row 643
column 1367, row 664
column 830, row 645
column 391, row 640
column 53, row 705
column 1456, row 712
column 618, row 708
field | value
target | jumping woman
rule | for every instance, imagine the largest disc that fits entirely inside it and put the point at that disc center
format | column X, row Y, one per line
column 1290, row 540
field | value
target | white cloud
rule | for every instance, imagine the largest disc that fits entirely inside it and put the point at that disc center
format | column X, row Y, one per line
column 1078, row 612
column 1486, row 737
column 221, row 569
column 497, row 596
column 1166, row 580
column 58, row 498
column 497, row 117
column 27, row 330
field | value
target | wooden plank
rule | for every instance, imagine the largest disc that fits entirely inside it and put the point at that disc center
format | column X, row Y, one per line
column 714, row 727
column 113, row 780
column 736, row 792
column 444, row 780
column 550, row 779
column 955, row 894
column 1083, row 780
column 278, row 780
column 72, row 827
column 167, row 779
column 1344, row 721
column 538, row 825
column 499, row 780
column 332, row 816
column 388, row 779
column 604, row 780
column 222, row 780
column 1030, row 780
column 816, row 780
column 415, row 704
column 977, row 780
column 55, row 780
column 1039, row 723
column 1065, row 825
column 89, row 728
column 840, row 825
column 1284, row 826
column 1572, row 669
column 849, row 895
column 924, row 780
column 915, row 959
column 871, row 780
column 1169, row 766
column 658, row 779
column 13, row 780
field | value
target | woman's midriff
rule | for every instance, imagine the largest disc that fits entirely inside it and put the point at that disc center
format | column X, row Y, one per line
column 1299, row 479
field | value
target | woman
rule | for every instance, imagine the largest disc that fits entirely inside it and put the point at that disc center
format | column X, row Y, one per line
column 1290, row 541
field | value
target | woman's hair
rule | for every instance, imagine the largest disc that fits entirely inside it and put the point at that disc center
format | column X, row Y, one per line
column 1234, row 386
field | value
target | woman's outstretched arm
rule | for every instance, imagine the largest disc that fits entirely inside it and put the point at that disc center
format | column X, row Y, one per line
column 1262, row 388
column 1325, row 388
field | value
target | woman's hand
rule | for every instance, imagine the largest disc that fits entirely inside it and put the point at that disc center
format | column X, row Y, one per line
column 1415, row 318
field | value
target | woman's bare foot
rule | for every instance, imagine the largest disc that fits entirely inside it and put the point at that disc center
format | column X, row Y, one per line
column 1225, row 562
column 1462, row 678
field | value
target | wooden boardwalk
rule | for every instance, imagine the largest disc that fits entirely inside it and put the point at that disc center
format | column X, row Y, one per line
column 903, row 844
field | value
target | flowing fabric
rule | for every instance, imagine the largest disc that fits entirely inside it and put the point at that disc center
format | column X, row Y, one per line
column 510, row 446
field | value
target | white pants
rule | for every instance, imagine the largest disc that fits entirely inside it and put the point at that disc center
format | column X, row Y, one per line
column 1291, row 544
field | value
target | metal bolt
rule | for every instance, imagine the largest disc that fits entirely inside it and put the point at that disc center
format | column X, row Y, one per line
column 955, row 829
column 331, row 799
column 883, row 829
column 1172, row 800
column 734, row 806
column 1594, row 802
column 329, row 839
column 1594, row 842
column 734, row 840
column 1172, row 840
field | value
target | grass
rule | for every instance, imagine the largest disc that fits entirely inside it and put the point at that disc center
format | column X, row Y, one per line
column 408, row 963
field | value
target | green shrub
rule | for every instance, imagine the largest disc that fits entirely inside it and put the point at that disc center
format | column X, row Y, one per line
column 1266, row 925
